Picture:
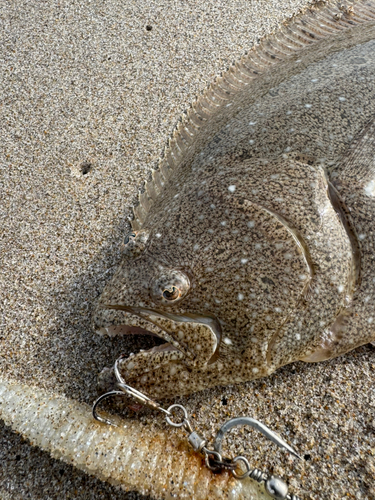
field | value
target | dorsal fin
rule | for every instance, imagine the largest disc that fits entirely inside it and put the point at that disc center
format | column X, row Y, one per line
column 322, row 21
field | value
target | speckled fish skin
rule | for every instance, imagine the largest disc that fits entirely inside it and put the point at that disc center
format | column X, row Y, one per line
column 256, row 247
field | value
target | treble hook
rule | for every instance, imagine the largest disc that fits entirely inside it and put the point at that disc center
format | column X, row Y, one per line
column 96, row 415
column 239, row 421
column 276, row 487
column 125, row 390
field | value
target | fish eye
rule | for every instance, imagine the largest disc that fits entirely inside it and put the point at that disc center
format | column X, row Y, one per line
column 170, row 287
column 172, row 294
column 134, row 243
column 128, row 237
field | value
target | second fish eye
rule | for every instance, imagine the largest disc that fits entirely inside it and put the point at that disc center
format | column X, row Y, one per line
column 128, row 237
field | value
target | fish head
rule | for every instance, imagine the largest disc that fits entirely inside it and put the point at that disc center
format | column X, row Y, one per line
column 212, row 274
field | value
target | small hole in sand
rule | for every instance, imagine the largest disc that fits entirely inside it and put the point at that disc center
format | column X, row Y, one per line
column 86, row 167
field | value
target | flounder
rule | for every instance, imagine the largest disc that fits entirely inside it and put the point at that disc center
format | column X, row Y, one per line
column 252, row 245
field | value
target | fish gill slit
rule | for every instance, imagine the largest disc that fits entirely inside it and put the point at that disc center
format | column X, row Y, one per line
column 298, row 239
column 305, row 252
column 343, row 213
column 355, row 273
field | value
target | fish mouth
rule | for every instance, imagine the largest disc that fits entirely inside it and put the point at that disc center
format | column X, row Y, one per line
column 191, row 339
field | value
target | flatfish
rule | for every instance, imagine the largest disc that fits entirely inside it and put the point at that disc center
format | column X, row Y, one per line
column 252, row 245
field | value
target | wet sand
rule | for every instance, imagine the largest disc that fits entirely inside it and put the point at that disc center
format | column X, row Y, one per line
column 90, row 94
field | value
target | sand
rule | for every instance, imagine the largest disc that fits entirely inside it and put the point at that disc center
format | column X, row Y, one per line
column 90, row 92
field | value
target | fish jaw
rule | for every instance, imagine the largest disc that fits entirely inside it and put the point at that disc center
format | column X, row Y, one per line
column 192, row 341
column 162, row 374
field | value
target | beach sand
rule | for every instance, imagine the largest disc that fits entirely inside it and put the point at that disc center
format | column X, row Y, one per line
column 90, row 92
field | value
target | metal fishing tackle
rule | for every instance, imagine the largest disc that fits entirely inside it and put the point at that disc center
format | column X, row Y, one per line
column 214, row 459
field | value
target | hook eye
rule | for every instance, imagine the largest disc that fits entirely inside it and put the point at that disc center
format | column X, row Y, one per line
column 240, row 421
column 96, row 415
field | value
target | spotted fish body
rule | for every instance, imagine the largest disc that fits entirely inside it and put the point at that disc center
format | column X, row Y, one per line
column 253, row 243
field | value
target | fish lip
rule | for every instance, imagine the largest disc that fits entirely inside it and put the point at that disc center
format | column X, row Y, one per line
column 207, row 319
